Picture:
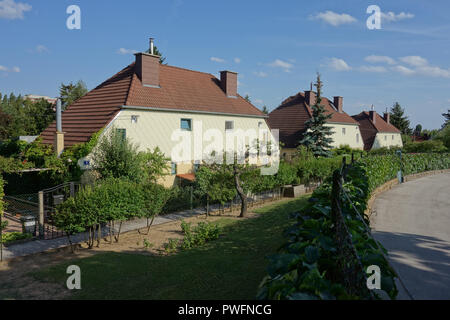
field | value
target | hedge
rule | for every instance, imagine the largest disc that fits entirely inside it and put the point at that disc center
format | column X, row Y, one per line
column 306, row 266
column 109, row 200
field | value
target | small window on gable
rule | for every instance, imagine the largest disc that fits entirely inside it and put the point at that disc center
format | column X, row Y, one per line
column 134, row 119
column 186, row 124
column 122, row 133
column 174, row 168
column 229, row 125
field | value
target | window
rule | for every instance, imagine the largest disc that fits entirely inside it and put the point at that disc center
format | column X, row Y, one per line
column 357, row 138
column 196, row 167
column 343, row 131
column 385, row 138
column 260, row 124
column 174, row 168
column 229, row 125
column 186, row 124
column 122, row 133
column 393, row 138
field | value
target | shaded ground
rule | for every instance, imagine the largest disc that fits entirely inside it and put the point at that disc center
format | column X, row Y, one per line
column 231, row 267
column 413, row 222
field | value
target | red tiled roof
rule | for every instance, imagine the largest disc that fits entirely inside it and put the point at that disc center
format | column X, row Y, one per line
column 94, row 111
column 290, row 118
column 369, row 129
column 183, row 89
column 180, row 89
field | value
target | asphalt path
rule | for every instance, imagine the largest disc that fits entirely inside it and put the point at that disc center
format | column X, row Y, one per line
column 412, row 221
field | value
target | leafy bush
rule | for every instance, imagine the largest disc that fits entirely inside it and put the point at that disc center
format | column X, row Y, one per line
column 199, row 235
column 11, row 237
column 1, row 195
column 112, row 199
column 306, row 266
column 116, row 157
column 425, row 147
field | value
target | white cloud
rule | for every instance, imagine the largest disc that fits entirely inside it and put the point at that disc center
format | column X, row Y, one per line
column 260, row 74
column 215, row 59
column 42, row 49
column 126, row 51
column 237, row 60
column 377, row 69
column 13, row 69
column 403, row 70
column 392, row 17
column 286, row 66
column 338, row 64
column 9, row 9
column 415, row 61
column 380, row 59
column 434, row 71
column 333, row 18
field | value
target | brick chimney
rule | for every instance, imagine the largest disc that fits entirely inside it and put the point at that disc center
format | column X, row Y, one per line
column 147, row 67
column 228, row 82
column 310, row 98
column 373, row 115
column 387, row 117
column 339, row 104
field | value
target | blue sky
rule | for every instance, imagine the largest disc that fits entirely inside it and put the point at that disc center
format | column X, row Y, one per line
column 276, row 47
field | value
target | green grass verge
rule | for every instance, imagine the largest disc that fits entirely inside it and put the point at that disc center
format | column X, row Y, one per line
column 231, row 267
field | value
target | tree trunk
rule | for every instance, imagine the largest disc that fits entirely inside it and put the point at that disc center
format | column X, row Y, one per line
column 241, row 193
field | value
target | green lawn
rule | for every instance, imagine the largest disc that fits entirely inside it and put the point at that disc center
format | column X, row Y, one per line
column 231, row 267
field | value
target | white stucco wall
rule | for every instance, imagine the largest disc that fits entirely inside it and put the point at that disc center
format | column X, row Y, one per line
column 351, row 137
column 385, row 139
column 156, row 129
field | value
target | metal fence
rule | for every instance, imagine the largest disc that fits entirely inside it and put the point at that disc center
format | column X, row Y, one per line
column 41, row 206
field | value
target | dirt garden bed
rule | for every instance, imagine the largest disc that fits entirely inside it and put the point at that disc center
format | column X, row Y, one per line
column 15, row 280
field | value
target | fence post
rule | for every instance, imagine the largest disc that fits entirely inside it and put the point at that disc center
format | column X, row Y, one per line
column 41, row 214
column 335, row 192
column 192, row 197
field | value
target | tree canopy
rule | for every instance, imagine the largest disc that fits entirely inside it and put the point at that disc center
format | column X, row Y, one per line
column 399, row 119
column 23, row 117
column 317, row 135
column 72, row 92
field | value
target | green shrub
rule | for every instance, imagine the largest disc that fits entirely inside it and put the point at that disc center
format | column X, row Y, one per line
column 2, row 194
column 306, row 266
column 199, row 235
column 112, row 199
column 425, row 147
column 11, row 237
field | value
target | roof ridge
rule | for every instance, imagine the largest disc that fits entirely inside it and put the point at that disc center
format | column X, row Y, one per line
column 185, row 69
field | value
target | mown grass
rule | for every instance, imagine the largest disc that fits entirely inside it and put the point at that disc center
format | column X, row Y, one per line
column 231, row 267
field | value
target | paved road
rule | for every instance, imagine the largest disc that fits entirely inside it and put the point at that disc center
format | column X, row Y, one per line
column 412, row 221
